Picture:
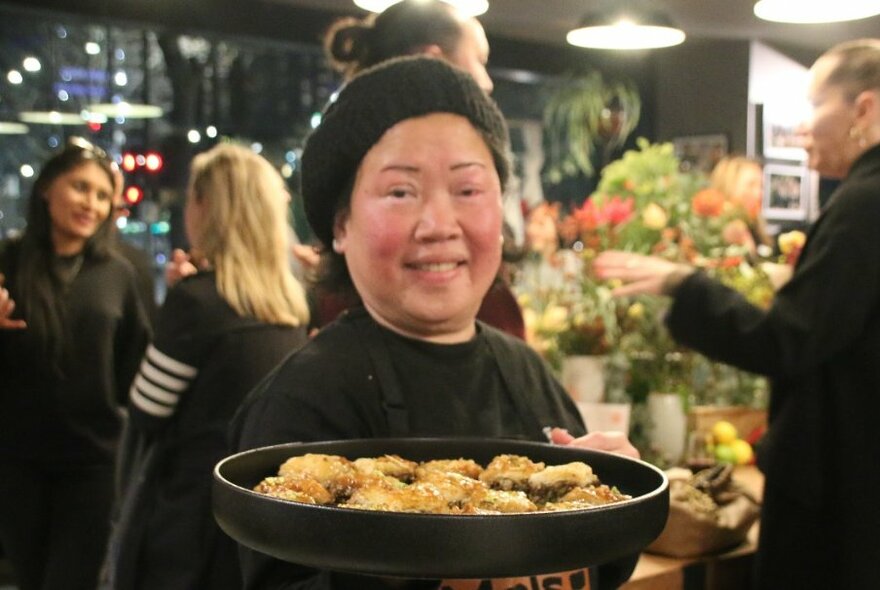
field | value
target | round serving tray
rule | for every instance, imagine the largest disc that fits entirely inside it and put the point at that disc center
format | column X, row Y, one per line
column 435, row 545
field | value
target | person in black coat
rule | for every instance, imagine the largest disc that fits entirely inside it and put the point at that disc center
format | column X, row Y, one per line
column 218, row 333
column 72, row 331
column 819, row 343
column 402, row 183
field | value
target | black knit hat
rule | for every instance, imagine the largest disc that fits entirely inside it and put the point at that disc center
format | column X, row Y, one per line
column 371, row 103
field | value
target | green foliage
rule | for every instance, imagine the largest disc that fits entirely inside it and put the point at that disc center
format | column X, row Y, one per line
column 581, row 113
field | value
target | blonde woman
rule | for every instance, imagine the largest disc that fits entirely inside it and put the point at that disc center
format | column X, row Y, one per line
column 741, row 180
column 219, row 331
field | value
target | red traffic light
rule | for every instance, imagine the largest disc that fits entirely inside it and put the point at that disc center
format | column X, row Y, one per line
column 150, row 161
column 128, row 162
column 153, row 162
column 133, row 195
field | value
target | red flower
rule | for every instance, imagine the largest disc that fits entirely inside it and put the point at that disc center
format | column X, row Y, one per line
column 708, row 202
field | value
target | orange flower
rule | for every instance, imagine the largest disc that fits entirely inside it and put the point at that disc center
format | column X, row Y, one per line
column 708, row 202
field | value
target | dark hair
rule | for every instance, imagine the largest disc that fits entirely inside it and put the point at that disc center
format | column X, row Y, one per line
column 404, row 28
column 35, row 286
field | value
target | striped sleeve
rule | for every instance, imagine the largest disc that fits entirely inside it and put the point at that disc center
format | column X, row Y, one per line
column 160, row 382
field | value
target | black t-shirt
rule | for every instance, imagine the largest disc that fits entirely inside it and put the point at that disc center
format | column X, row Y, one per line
column 449, row 382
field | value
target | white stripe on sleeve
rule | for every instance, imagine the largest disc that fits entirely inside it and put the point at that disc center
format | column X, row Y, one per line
column 170, row 365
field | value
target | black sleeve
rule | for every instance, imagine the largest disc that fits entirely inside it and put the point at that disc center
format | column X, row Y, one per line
column 171, row 363
column 814, row 317
column 131, row 340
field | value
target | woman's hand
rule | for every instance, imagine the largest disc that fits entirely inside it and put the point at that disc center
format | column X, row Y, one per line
column 7, row 306
column 640, row 274
column 611, row 441
column 179, row 267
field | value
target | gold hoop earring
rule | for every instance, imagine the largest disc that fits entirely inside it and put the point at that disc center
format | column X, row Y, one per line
column 857, row 136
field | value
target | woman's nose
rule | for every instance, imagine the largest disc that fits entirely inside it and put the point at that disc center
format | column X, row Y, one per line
column 438, row 218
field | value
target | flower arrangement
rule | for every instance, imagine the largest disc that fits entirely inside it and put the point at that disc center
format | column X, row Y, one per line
column 644, row 203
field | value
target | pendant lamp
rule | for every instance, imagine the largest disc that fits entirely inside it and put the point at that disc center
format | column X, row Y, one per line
column 466, row 7
column 815, row 11
column 626, row 27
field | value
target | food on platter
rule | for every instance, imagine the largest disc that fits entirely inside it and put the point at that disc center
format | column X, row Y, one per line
column 508, row 484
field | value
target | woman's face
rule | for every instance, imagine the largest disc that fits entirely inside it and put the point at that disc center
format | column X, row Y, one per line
column 541, row 233
column 472, row 53
column 749, row 188
column 826, row 132
column 422, row 236
column 79, row 201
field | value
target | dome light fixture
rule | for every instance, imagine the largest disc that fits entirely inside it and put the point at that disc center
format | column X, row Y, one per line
column 815, row 11
column 626, row 29
column 466, row 7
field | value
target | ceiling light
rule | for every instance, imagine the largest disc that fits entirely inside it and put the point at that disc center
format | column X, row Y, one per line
column 127, row 110
column 51, row 118
column 815, row 11
column 622, row 28
column 466, row 7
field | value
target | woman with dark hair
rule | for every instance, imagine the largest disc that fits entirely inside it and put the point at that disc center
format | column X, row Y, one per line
column 72, row 331
column 429, row 27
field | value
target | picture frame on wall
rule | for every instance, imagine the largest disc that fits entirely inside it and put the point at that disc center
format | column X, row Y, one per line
column 780, row 139
column 786, row 192
column 700, row 153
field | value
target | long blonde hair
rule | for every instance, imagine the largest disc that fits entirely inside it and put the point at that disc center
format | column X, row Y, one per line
column 244, row 234
column 725, row 178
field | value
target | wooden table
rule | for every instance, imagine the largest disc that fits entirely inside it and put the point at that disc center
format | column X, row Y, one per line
column 727, row 571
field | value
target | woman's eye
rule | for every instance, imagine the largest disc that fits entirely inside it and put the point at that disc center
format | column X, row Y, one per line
column 469, row 191
column 400, row 192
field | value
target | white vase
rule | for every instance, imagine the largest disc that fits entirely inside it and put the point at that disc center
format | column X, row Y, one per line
column 605, row 416
column 668, row 425
column 583, row 377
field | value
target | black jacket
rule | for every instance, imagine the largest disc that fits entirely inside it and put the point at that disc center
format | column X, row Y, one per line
column 204, row 360
column 335, row 388
column 820, row 344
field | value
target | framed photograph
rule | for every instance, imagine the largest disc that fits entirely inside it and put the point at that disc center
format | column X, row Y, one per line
column 700, row 152
column 786, row 192
column 779, row 138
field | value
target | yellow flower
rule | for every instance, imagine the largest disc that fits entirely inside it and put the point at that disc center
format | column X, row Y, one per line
column 791, row 241
column 636, row 311
column 555, row 318
column 654, row 216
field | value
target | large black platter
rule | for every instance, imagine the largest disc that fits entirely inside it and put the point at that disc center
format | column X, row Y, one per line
column 440, row 546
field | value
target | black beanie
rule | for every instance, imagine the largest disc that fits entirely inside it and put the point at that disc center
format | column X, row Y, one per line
column 371, row 103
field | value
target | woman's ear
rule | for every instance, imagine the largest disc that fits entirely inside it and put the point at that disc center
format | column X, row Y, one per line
column 432, row 50
column 339, row 232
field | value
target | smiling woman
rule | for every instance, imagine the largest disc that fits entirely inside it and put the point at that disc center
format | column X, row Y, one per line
column 72, row 330
column 403, row 181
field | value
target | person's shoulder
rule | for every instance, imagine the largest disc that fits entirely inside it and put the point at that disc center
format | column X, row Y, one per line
column 500, row 340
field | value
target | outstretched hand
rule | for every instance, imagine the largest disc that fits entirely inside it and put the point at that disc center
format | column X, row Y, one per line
column 7, row 306
column 640, row 274
column 611, row 441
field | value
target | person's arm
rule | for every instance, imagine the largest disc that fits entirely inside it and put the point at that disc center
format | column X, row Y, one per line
column 170, row 364
column 131, row 340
